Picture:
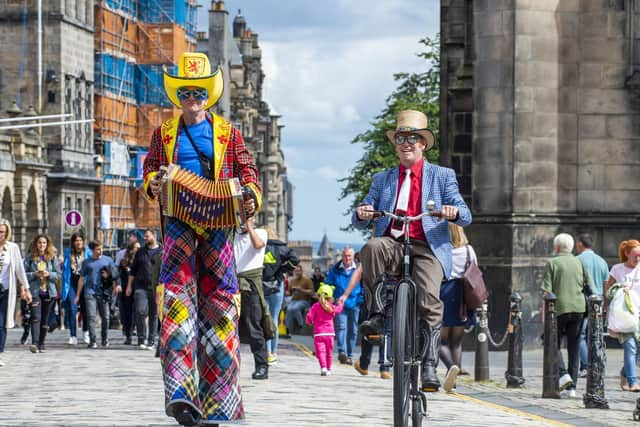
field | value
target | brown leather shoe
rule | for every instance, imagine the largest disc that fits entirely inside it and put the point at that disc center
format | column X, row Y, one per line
column 385, row 375
column 359, row 369
column 624, row 384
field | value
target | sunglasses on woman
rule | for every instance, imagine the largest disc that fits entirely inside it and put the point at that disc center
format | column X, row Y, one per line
column 199, row 94
column 411, row 139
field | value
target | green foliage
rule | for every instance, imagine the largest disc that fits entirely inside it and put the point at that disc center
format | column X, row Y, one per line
column 415, row 91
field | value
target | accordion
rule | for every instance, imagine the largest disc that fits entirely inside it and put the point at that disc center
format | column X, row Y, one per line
column 200, row 202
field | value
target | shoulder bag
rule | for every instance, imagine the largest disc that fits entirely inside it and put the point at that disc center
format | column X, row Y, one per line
column 475, row 291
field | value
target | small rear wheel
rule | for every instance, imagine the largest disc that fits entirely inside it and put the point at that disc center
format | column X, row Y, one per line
column 402, row 356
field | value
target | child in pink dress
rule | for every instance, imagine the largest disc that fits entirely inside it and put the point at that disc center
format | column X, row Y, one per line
column 321, row 316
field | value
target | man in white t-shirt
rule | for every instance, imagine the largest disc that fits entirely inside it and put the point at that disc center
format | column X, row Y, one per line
column 248, row 248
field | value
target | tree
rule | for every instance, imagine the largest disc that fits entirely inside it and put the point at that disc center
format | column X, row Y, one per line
column 416, row 91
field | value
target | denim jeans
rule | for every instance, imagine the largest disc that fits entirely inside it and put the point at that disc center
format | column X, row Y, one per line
column 40, row 306
column 584, row 353
column 274, row 302
column 569, row 325
column 71, row 313
column 4, row 301
column 347, row 330
column 629, row 368
column 146, row 307
column 294, row 317
column 96, row 303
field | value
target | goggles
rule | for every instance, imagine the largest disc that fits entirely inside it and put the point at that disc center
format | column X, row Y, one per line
column 411, row 139
column 199, row 94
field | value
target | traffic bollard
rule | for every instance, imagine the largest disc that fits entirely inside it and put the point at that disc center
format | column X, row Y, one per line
column 597, row 357
column 513, row 375
column 482, row 345
column 550, row 377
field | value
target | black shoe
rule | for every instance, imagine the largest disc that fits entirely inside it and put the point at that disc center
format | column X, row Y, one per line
column 24, row 337
column 92, row 345
column 127, row 341
column 373, row 326
column 187, row 416
column 261, row 373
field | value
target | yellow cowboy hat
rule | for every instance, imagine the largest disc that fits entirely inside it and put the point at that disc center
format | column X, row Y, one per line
column 414, row 122
column 194, row 70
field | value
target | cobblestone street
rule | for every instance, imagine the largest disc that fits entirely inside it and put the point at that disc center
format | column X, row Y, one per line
column 122, row 386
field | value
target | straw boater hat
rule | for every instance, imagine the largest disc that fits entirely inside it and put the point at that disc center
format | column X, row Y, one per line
column 194, row 70
column 414, row 122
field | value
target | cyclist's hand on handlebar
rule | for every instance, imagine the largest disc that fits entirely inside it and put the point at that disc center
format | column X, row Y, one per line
column 450, row 213
column 364, row 212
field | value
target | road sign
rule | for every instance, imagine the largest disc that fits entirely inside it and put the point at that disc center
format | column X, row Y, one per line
column 73, row 218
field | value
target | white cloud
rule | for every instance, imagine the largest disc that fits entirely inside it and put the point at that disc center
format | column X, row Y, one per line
column 328, row 172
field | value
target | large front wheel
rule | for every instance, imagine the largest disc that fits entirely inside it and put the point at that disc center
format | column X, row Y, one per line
column 402, row 354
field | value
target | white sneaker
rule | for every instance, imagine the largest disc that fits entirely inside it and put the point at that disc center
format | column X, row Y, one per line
column 86, row 337
column 143, row 347
column 74, row 340
column 565, row 382
column 571, row 392
column 450, row 379
column 328, row 373
column 323, row 372
column 1, row 362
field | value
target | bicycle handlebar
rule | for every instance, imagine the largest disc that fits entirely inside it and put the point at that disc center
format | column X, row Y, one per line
column 378, row 214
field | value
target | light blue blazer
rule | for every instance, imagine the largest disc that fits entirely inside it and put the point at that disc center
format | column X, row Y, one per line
column 438, row 184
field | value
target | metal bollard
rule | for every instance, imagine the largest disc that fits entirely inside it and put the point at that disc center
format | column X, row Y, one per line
column 482, row 345
column 550, row 376
column 514, row 359
column 597, row 359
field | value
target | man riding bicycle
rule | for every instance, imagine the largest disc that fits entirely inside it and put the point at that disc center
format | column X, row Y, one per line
column 405, row 190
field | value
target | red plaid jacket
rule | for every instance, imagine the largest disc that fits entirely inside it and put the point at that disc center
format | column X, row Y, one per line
column 237, row 162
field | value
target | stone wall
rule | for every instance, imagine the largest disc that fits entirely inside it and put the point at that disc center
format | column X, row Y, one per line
column 555, row 132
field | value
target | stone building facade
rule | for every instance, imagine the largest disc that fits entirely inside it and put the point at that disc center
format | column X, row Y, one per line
column 238, row 53
column 65, row 153
column 540, row 118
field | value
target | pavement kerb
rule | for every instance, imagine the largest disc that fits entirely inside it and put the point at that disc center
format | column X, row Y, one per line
column 307, row 352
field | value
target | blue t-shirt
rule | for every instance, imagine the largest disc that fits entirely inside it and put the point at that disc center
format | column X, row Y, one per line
column 596, row 267
column 91, row 272
column 187, row 157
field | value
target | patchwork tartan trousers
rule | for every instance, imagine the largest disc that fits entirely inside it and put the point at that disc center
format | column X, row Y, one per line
column 199, row 343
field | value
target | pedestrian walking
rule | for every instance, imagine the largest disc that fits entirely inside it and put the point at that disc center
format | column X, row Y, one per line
column 248, row 248
column 279, row 261
column 321, row 316
column 143, row 289
column 598, row 270
column 455, row 316
column 96, row 298
column 74, row 256
column 565, row 276
column 127, row 302
column 199, row 338
column 366, row 346
column 347, row 320
column 43, row 270
column 628, row 253
column 13, row 282
column 317, row 277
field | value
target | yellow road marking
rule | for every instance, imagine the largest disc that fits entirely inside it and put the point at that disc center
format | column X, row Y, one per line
column 303, row 348
column 510, row 410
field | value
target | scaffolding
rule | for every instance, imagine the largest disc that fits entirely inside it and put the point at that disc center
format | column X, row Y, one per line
column 134, row 40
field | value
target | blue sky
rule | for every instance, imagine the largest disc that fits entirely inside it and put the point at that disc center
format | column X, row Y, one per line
column 329, row 67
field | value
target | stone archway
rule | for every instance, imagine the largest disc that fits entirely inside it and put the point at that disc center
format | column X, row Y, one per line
column 7, row 205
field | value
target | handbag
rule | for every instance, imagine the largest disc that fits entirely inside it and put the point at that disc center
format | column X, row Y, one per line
column 475, row 291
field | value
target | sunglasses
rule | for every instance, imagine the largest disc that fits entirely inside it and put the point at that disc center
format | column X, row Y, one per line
column 198, row 94
column 411, row 139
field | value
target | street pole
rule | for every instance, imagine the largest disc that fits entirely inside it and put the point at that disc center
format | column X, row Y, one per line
column 550, row 361
column 514, row 361
column 597, row 358
column 482, row 345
